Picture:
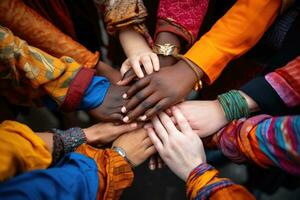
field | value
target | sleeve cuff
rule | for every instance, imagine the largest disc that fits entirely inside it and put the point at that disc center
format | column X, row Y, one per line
column 77, row 89
column 208, row 58
column 265, row 96
column 95, row 93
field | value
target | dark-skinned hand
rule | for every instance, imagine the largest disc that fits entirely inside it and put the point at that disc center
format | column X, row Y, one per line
column 103, row 69
column 158, row 91
column 110, row 109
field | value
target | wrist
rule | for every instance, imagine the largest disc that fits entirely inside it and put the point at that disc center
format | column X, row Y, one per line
column 198, row 73
column 133, row 42
column 90, row 134
column 168, row 38
column 234, row 105
column 252, row 105
column 220, row 112
column 191, row 167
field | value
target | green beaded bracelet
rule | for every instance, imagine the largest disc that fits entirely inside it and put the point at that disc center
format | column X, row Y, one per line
column 234, row 105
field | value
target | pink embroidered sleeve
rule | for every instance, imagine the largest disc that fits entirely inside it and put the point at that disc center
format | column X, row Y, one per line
column 184, row 18
column 286, row 82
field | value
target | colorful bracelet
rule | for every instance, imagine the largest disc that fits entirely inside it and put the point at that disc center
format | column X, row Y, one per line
column 66, row 141
column 234, row 105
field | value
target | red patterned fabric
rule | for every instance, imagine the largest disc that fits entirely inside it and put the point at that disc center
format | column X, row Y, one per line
column 184, row 18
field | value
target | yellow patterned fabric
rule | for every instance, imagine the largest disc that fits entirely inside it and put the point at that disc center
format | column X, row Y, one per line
column 21, row 150
column 27, row 73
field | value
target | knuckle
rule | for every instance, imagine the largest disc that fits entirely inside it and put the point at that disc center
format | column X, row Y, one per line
column 139, row 96
column 146, row 104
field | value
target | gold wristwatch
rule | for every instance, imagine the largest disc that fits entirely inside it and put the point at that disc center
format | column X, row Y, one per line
column 166, row 49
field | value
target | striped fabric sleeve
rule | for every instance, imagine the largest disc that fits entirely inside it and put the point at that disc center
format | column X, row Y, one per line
column 114, row 172
column 204, row 183
column 264, row 140
column 286, row 82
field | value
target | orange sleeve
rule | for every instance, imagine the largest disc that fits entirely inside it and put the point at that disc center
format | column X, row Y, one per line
column 204, row 183
column 21, row 150
column 233, row 35
column 38, row 32
column 115, row 174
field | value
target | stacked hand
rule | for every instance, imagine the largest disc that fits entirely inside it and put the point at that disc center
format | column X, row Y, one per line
column 180, row 148
column 137, row 145
column 205, row 117
column 110, row 109
column 158, row 91
column 103, row 133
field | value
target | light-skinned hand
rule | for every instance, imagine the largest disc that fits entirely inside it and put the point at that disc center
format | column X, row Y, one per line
column 205, row 117
column 180, row 148
column 103, row 133
column 146, row 59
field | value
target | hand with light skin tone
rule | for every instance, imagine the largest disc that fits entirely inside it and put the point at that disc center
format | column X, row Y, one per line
column 138, row 54
column 137, row 145
column 207, row 117
column 180, row 148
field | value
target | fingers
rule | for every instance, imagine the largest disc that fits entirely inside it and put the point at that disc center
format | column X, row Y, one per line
column 136, row 87
column 125, row 67
column 127, row 77
column 116, row 117
column 146, row 61
column 155, row 140
column 124, row 128
column 181, row 121
column 160, row 106
column 152, row 163
column 147, row 142
column 135, row 100
column 160, row 130
column 135, row 63
column 160, row 162
column 167, row 123
column 150, row 151
column 141, row 108
column 155, row 61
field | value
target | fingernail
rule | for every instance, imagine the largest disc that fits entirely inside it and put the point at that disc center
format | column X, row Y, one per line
column 126, row 119
column 143, row 118
column 141, row 75
column 152, row 167
column 124, row 96
column 119, row 82
column 133, row 125
column 123, row 109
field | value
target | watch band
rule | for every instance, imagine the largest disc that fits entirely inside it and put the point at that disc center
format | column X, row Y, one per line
column 123, row 154
column 166, row 49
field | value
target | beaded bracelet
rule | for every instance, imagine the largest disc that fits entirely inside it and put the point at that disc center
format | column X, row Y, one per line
column 234, row 105
column 66, row 141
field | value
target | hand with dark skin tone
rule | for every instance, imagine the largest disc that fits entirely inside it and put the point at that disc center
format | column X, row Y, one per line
column 110, row 109
column 167, row 38
column 158, row 91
